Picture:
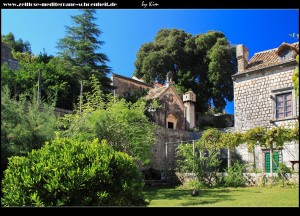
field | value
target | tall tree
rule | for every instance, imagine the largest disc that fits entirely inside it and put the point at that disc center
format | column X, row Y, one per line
column 79, row 50
column 203, row 63
column 16, row 45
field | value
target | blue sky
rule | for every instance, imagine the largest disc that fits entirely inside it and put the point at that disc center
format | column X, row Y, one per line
column 125, row 30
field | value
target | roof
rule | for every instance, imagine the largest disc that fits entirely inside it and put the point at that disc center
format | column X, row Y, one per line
column 155, row 93
column 132, row 80
column 156, row 85
column 269, row 57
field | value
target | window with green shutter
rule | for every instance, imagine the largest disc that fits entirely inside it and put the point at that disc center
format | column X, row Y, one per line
column 267, row 161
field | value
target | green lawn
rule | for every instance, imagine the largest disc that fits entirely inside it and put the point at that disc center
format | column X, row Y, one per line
column 230, row 197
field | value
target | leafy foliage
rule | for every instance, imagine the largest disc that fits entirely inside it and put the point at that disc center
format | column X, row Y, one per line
column 255, row 136
column 202, row 63
column 55, row 82
column 234, row 177
column 295, row 77
column 283, row 170
column 66, row 172
column 78, row 49
column 273, row 137
column 24, row 125
column 204, row 163
column 122, row 124
column 276, row 136
column 16, row 45
column 204, row 159
column 211, row 139
column 231, row 139
column 294, row 133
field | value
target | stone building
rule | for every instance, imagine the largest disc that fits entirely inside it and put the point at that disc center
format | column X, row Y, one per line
column 6, row 56
column 264, row 96
column 175, row 113
column 127, row 86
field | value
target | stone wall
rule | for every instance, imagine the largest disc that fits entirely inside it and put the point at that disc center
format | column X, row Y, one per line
column 173, row 107
column 252, row 179
column 253, row 102
column 6, row 56
column 255, row 105
column 164, row 157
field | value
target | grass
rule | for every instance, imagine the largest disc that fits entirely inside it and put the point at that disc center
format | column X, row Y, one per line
column 224, row 197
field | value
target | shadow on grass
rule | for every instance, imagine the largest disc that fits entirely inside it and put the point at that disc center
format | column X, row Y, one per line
column 207, row 196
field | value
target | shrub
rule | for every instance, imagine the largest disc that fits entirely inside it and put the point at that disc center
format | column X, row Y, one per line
column 66, row 172
column 25, row 125
column 203, row 163
column 234, row 177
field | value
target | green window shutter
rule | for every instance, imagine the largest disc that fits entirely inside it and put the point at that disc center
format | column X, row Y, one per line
column 276, row 159
column 267, row 162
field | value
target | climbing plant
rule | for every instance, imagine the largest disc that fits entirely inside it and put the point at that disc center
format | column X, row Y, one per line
column 230, row 140
column 210, row 139
column 277, row 136
column 255, row 136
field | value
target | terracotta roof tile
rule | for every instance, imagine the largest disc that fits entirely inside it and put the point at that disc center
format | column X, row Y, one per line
column 267, row 58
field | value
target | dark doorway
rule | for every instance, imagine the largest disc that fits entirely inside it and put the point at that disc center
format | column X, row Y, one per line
column 171, row 125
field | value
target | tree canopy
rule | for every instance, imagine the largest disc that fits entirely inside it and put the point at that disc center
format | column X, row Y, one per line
column 202, row 63
column 79, row 50
column 16, row 45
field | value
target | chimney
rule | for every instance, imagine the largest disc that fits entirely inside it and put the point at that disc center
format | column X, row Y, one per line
column 169, row 79
column 242, row 56
column 189, row 100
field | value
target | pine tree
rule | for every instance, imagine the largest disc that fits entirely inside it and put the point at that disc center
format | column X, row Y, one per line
column 79, row 50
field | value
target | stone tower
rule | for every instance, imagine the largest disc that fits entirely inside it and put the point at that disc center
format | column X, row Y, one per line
column 189, row 100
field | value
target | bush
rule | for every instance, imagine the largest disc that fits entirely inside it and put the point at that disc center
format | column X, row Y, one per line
column 72, row 173
column 204, row 165
column 25, row 125
column 234, row 177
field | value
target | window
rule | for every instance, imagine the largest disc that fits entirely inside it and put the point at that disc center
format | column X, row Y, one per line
column 284, row 105
column 171, row 121
column 171, row 125
column 275, row 162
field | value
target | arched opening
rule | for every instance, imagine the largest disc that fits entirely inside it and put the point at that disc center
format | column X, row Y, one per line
column 171, row 121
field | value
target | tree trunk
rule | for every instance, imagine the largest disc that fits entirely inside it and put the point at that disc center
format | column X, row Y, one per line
column 81, row 93
column 254, row 160
column 271, row 160
column 229, row 158
column 39, row 87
